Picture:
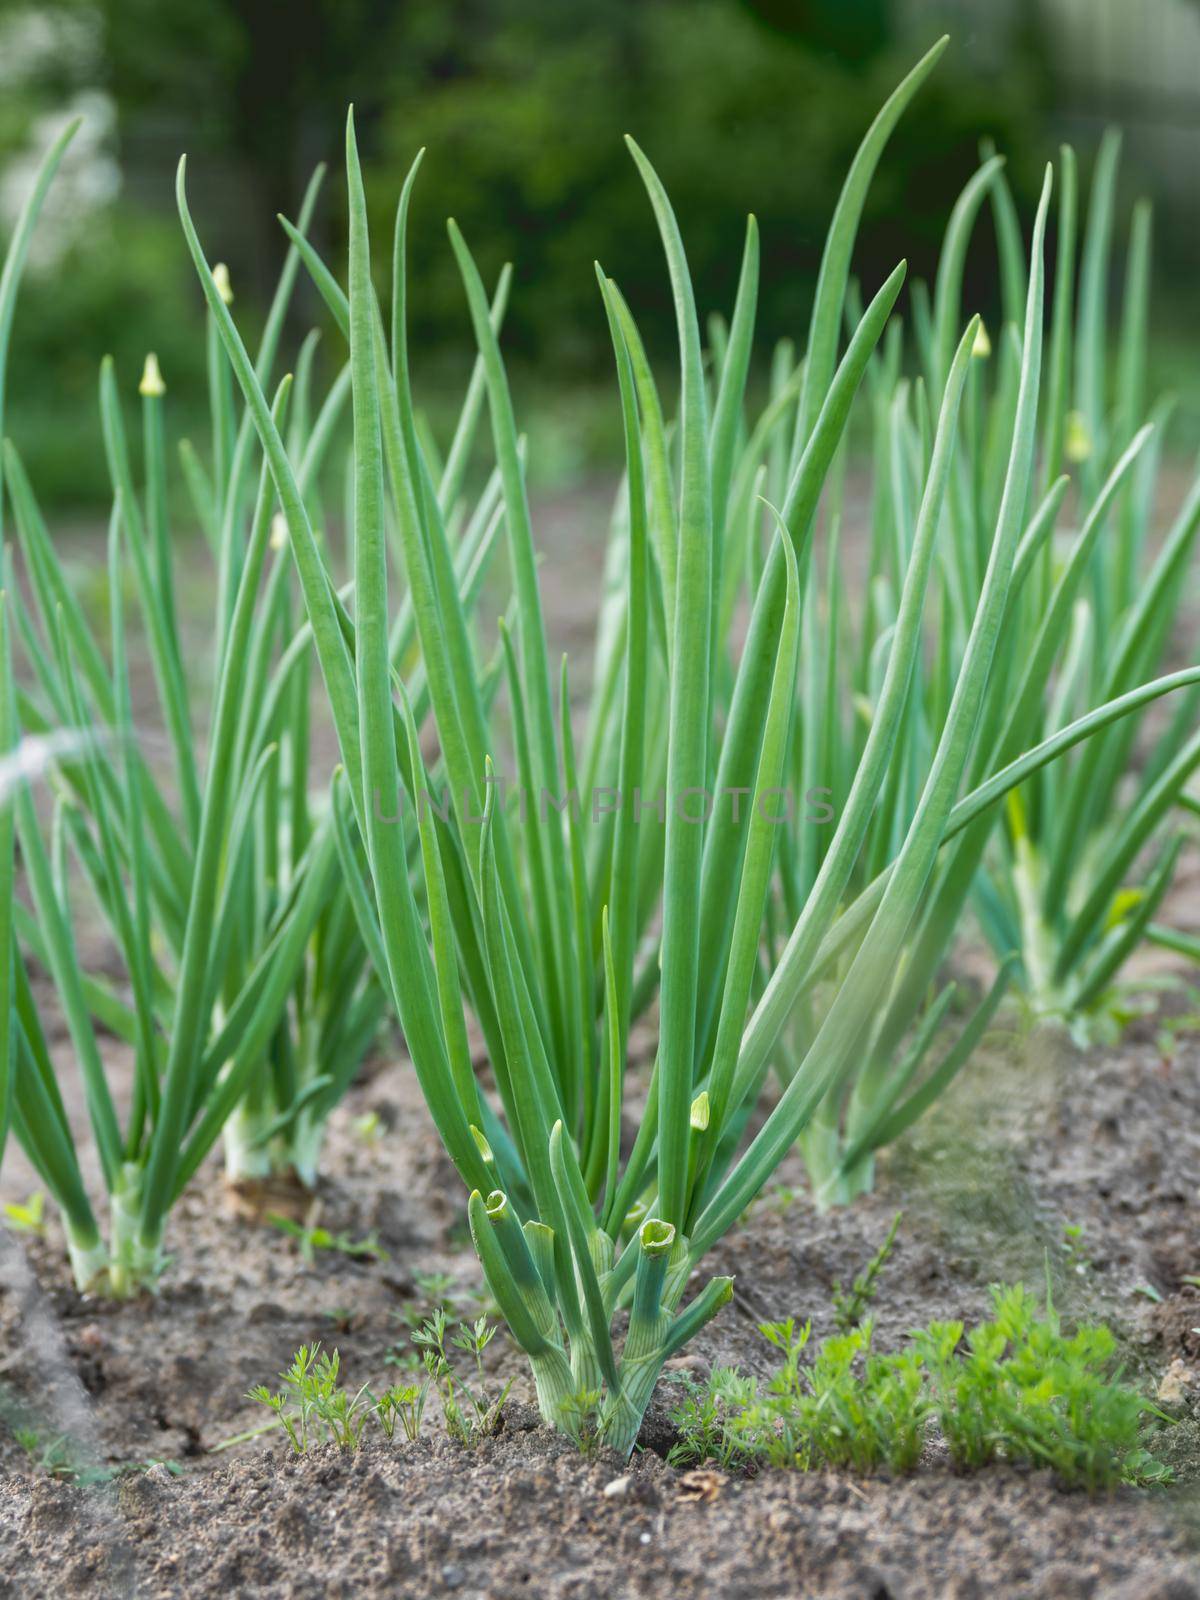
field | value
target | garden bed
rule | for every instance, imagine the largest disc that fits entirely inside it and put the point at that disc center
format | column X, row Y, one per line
column 1106, row 1143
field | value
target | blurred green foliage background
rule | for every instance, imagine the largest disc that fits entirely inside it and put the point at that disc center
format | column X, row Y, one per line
column 742, row 105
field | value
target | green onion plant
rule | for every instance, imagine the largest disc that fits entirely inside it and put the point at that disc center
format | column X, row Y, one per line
column 1046, row 874
column 1083, row 860
column 528, row 925
column 246, row 996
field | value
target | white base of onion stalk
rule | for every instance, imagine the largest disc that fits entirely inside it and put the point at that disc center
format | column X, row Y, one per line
column 252, row 1158
column 248, row 1156
column 88, row 1258
column 129, row 1264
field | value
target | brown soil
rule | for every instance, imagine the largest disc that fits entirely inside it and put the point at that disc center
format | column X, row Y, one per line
column 1109, row 1141
column 1035, row 1137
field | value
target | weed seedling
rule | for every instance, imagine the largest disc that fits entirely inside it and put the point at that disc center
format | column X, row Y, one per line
column 469, row 1412
column 368, row 1129
column 58, row 1456
column 403, row 1404
column 311, row 1407
column 1075, row 1250
column 1017, row 1389
column 27, row 1218
column 311, row 1238
column 705, row 1419
column 849, row 1308
column 581, row 1418
column 433, row 1290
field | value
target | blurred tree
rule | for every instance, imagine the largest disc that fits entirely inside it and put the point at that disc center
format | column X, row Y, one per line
column 853, row 29
column 742, row 105
column 522, row 119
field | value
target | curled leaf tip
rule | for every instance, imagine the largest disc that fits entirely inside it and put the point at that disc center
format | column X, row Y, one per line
column 656, row 1237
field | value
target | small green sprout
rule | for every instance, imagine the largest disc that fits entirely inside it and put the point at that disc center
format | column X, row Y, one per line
column 433, row 1289
column 27, row 1218
column 1074, row 1249
column 470, row 1413
column 310, row 1238
column 580, row 1413
column 57, row 1455
column 311, row 1407
column 403, row 1404
column 850, row 1308
column 369, row 1127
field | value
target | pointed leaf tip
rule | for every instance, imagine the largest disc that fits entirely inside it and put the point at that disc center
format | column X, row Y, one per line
column 152, row 379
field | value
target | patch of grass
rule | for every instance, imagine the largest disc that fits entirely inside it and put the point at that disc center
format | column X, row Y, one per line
column 837, row 1410
column 1016, row 1388
column 58, row 1455
column 312, row 1407
column 1023, row 1390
